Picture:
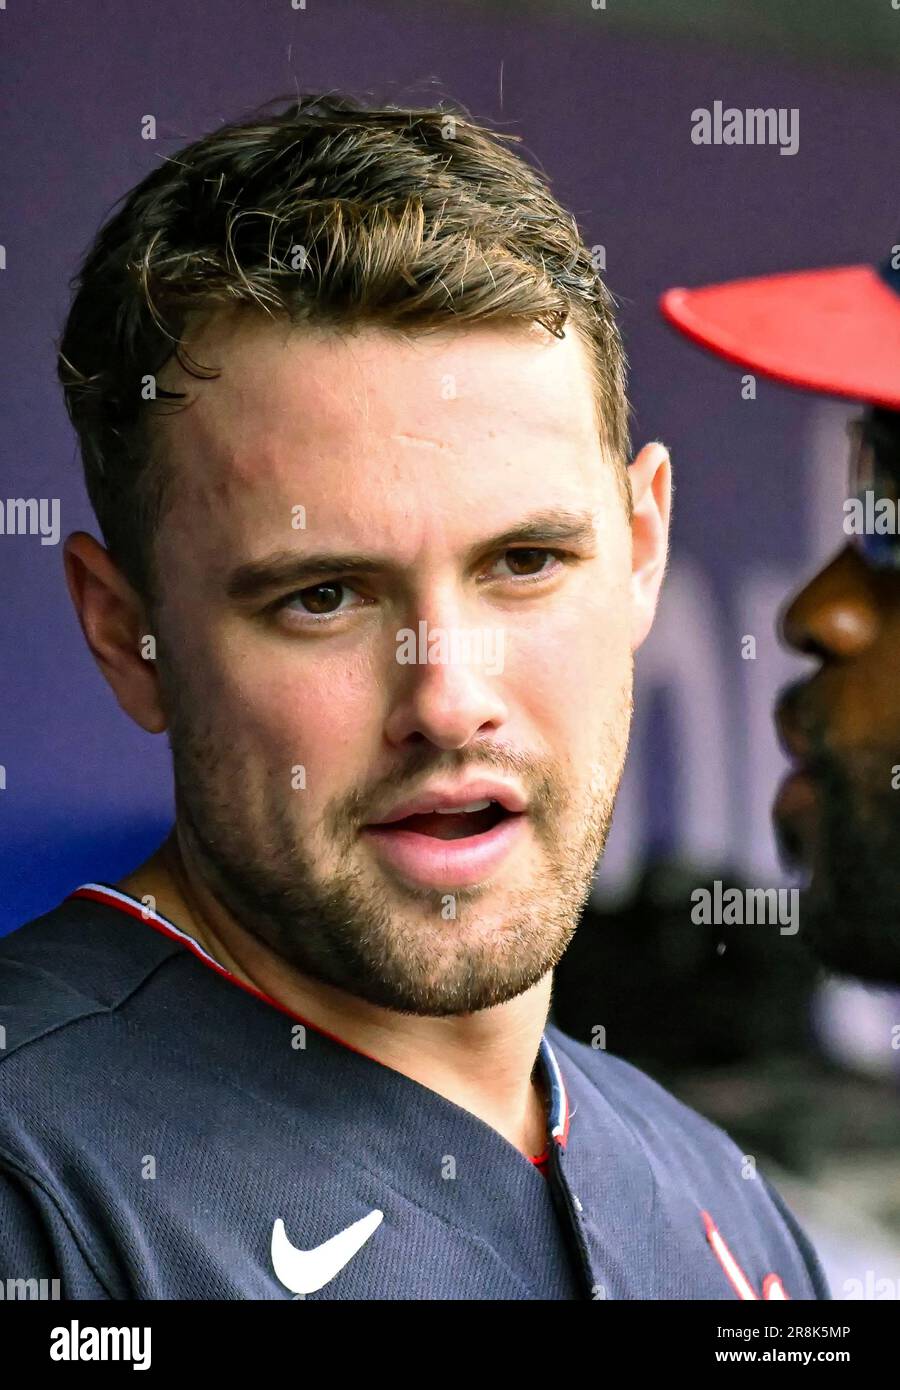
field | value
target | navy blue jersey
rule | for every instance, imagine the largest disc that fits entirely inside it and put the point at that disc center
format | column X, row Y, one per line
column 168, row 1132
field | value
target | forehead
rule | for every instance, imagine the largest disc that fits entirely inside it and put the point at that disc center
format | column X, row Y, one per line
column 408, row 443
column 285, row 392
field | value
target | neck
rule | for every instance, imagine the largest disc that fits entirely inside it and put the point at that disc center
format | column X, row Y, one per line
column 483, row 1062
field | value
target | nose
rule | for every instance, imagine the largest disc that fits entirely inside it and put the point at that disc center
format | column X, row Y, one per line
column 447, row 704
column 835, row 617
column 451, row 674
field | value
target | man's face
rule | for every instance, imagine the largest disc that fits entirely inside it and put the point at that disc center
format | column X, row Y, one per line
column 838, row 813
column 293, row 724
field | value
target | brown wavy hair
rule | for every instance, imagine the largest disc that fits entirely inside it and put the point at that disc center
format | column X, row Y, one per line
column 330, row 212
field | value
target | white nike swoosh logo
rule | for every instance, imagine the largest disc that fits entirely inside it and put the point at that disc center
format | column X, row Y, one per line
column 304, row 1271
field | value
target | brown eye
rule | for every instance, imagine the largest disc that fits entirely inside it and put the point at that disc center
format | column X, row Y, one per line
column 526, row 558
column 318, row 603
column 322, row 598
column 528, row 563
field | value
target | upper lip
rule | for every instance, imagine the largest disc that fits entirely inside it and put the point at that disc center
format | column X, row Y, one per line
column 793, row 744
column 794, row 726
column 456, row 794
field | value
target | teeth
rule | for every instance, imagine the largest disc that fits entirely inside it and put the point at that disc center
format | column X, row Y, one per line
column 462, row 810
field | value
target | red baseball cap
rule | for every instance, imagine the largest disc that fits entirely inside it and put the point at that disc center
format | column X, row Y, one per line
column 835, row 330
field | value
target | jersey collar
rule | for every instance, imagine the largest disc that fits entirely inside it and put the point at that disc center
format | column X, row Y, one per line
column 558, row 1114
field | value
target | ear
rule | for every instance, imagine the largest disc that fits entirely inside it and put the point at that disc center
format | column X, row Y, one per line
column 115, row 628
column 650, row 476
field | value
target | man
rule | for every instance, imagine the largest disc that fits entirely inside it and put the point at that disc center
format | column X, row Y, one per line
column 377, row 567
column 837, row 815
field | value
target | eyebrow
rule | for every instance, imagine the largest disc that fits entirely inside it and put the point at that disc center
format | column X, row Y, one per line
column 291, row 567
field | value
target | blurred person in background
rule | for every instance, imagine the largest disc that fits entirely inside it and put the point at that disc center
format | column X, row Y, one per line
column 837, row 814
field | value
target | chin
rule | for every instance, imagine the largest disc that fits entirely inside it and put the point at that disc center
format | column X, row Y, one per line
column 796, row 844
column 862, row 945
column 850, row 913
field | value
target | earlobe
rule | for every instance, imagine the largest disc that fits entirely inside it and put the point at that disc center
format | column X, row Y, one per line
column 110, row 616
column 651, row 487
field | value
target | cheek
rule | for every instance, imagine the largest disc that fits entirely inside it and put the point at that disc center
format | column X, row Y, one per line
column 582, row 644
column 572, row 675
column 301, row 713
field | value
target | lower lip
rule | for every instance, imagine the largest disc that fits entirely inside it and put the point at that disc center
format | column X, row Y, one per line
column 434, row 863
column 797, row 796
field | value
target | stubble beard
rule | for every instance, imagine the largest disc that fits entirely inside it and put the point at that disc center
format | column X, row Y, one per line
column 850, row 910
column 357, row 930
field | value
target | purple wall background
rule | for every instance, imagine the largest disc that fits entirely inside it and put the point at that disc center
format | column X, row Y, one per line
column 608, row 118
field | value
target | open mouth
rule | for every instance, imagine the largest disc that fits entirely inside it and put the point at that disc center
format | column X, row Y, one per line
column 451, row 825
column 448, row 849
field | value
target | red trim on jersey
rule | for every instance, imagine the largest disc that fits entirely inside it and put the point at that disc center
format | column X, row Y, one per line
column 772, row 1285
column 736, row 1276
column 135, row 911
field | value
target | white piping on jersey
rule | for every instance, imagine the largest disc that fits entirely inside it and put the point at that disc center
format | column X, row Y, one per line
column 558, row 1090
column 557, row 1085
column 148, row 912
